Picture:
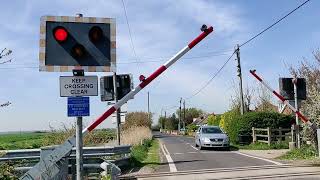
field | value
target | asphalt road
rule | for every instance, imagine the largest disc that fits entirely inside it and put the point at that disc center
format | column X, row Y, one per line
column 181, row 154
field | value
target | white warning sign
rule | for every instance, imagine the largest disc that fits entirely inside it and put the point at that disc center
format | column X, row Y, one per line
column 71, row 86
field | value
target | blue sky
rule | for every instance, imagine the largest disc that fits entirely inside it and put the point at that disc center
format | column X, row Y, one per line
column 159, row 30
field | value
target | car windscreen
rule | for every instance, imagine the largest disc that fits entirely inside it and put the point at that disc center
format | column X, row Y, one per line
column 211, row 130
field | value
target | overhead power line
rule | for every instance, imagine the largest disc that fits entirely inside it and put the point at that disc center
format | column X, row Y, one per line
column 160, row 59
column 246, row 42
column 211, row 79
column 129, row 29
column 269, row 27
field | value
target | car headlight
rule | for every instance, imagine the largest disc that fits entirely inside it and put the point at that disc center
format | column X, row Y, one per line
column 205, row 139
column 227, row 139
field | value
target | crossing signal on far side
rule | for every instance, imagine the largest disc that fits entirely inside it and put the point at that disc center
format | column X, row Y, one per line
column 68, row 43
column 124, row 86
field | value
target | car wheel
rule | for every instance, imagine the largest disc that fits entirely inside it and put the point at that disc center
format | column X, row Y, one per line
column 196, row 145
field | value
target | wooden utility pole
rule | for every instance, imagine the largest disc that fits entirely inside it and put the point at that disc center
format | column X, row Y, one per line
column 239, row 74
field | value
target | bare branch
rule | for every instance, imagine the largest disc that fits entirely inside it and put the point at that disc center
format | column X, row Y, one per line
column 5, row 104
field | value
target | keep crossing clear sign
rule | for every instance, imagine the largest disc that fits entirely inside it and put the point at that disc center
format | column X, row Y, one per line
column 78, row 106
column 71, row 86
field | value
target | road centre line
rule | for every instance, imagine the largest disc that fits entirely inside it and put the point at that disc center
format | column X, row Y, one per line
column 165, row 151
column 268, row 160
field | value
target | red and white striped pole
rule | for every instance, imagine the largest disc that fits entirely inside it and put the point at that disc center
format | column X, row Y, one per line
column 302, row 117
column 145, row 82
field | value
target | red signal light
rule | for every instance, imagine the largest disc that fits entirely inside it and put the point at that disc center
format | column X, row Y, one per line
column 60, row 34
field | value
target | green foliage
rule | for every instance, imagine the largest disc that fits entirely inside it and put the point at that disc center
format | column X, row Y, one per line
column 228, row 124
column 305, row 152
column 140, row 152
column 192, row 128
column 161, row 122
column 172, row 122
column 137, row 119
column 190, row 114
column 265, row 146
column 234, row 124
column 21, row 140
column 153, row 158
column 39, row 139
column 214, row 120
column 7, row 172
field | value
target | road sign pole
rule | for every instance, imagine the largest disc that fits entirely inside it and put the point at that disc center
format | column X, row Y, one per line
column 118, row 117
column 79, row 138
column 62, row 150
column 294, row 81
column 79, row 149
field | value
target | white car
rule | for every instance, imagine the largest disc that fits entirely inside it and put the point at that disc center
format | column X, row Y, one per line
column 211, row 136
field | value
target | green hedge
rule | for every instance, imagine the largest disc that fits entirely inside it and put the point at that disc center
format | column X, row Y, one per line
column 214, row 120
column 234, row 124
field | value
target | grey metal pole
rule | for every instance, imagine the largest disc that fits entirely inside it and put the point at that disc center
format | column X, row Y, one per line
column 79, row 141
column 115, row 95
column 240, row 79
column 179, row 116
column 297, row 117
column 184, row 115
column 79, row 146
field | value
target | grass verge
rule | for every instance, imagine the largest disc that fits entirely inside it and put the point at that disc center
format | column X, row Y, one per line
column 146, row 154
column 263, row 146
column 152, row 160
column 305, row 152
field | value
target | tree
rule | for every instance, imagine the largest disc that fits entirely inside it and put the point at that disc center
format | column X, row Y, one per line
column 264, row 101
column 137, row 119
column 161, row 122
column 247, row 98
column 311, row 72
column 172, row 122
column 190, row 114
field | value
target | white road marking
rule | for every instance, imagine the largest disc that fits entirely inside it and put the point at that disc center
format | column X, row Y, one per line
column 165, row 151
column 194, row 148
column 268, row 160
column 178, row 153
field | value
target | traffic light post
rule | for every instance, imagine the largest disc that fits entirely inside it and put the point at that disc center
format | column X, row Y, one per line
column 118, row 117
column 63, row 150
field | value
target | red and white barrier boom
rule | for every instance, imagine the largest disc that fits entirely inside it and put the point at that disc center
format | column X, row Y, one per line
column 50, row 162
column 302, row 117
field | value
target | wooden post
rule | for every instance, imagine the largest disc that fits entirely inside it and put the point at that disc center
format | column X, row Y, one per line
column 269, row 135
column 254, row 137
column 280, row 134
